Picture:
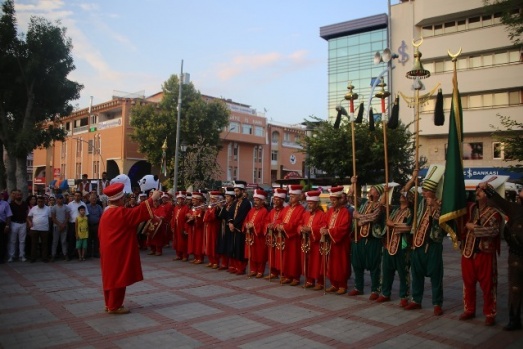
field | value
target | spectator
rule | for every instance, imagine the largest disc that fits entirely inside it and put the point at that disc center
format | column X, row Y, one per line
column 73, row 213
column 18, row 228
column 38, row 223
column 60, row 215
column 81, row 232
column 5, row 225
column 95, row 212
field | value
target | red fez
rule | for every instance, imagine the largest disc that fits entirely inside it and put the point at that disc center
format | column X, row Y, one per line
column 280, row 193
column 313, row 195
column 295, row 189
column 336, row 191
column 260, row 194
column 114, row 191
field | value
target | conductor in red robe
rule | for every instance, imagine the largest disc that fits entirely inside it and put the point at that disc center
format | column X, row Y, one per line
column 119, row 253
column 336, row 230
column 253, row 227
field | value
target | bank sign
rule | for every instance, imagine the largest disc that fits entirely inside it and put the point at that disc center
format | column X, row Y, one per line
column 480, row 172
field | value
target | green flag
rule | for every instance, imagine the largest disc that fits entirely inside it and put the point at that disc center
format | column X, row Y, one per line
column 454, row 203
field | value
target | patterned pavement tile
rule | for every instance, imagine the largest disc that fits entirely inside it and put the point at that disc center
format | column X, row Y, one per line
column 40, row 337
column 113, row 324
column 287, row 340
column 283, row 291
column 462, row 331
column 242, row 301
column 50, row 275
column 10, row 302
column 187, row 311
column 60, row 284
column 86, row 308
column 26, row 317
column 207, row 290
column 179, row 281
column 154, row 299
column 391, row 314
column 405, row 341
column 158, row 340
column 287, row 314
column 332, row 302
column 73, row 294
column 343, row 330
column 230, row 327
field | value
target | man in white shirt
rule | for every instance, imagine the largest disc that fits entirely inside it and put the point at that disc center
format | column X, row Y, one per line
column 38, row 223
column 73, row 210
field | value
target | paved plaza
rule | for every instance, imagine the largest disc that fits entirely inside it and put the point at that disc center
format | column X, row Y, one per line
column 182, row 305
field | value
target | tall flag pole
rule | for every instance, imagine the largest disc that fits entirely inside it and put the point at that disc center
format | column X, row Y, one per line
column 351, row 97
column 454, row 204
column 383, row 95
column 164, row 157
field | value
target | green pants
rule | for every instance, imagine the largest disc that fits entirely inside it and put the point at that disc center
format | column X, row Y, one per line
column 427, row 261
column 400, row 263
column 366, row 255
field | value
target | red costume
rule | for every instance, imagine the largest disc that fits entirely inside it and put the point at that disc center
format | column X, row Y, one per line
column 178, row 222
column 273, row 254
column 156, row 239
column 338, row 221
column 119, row 253
column 194, row 227
column 212, row 227
column 256, row 250
column 289, row 220
column 312, row 261
column 479, row 262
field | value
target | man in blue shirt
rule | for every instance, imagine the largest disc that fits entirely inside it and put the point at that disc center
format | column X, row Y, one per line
column 5, row 222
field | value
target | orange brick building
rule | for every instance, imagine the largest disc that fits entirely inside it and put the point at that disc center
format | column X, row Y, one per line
column 98, row 140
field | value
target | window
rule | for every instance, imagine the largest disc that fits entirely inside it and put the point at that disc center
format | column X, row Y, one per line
column 286, row 137
column 497, row 151
column 258, row 131
column 63, row 153
column 513, row 98
column 462, row 25
column 450, row 27
column 427, row 31
column 96, row 168
column 257, row 153
column 234, row 127
column 275, row 139
column 475, row 61
column 438, row 29
column 90, row 146
column 247, row 129
column 93, row 119
column 78, row 170
column 62, row 170
column 473, row 151
column 78, row 148
column 474, row 22
column 274, row 155
column 235, row 151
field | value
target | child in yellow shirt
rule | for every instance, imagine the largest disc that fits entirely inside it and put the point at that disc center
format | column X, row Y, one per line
column 82, row 233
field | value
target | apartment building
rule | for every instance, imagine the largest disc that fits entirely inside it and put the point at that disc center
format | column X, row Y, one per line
column 98, row 140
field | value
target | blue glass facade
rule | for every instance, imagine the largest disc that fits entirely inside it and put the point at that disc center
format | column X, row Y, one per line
column 350, row 58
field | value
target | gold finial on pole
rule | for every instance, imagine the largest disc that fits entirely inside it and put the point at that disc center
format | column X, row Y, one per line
column 455, row 55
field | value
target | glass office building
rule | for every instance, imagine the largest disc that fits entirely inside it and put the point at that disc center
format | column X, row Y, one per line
column 352, row 46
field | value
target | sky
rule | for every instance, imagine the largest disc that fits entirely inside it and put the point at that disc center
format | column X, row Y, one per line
column 266, row 54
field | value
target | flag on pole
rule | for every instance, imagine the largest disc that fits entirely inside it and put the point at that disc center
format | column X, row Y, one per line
column 454, row 203
column 164, row 157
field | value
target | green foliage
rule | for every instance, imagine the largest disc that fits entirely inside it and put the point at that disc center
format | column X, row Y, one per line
column 510, row 16
column 511, row 135
column 34, row 89
column 201, row 122
column 330, row 150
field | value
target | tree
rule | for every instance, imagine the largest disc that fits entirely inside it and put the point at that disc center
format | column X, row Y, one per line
column 510, row 11
column 194, row 169
column 34, row 89
column 201, row 122
column 511, row 135
column 330, row 150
